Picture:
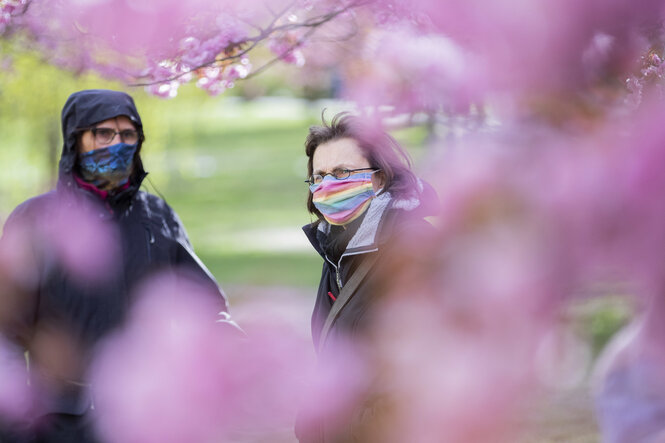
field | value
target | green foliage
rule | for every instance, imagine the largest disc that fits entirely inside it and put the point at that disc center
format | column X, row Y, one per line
column 599, row 318
column 606, row 321
column 264, row 268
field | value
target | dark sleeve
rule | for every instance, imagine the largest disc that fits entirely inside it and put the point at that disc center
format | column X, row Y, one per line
column 18, row 303
column 19, row 277
column 189, row 262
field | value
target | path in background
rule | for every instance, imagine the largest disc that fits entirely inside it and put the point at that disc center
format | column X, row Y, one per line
column 562, row 416
column 294, row 304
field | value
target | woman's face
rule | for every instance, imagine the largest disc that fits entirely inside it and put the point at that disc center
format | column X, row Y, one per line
column 343, row 153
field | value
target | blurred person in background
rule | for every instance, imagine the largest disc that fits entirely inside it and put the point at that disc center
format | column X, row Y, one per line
column 368, row 204
column 628, row 382
column 72, row 257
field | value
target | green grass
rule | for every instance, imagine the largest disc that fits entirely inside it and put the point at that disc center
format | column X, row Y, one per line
column 264, row 269
column 234, row 173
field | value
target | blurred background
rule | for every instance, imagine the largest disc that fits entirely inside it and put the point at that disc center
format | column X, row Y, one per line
column 232, row 166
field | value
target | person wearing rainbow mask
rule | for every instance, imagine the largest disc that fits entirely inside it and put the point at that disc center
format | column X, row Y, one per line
column 366, row 200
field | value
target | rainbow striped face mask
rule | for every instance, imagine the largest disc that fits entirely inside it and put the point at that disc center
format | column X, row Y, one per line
column 342, row 201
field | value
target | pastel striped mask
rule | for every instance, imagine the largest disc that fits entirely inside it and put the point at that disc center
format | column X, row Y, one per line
column 342, row 201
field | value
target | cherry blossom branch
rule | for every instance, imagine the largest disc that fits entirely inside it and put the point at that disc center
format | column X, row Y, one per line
column 236, row 52
column 282, row 55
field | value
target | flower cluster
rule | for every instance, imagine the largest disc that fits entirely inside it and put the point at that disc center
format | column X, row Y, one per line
column 412, row 71
column 215, row 78
column 286, row 48
column 164, row 44
column 173, row 374
column 8, row 8
column 650, row 76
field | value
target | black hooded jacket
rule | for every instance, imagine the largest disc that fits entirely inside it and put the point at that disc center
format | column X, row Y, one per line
column 149, row 237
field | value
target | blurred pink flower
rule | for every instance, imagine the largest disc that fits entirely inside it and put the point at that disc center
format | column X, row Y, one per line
column 537, row 46
column 413, row 71
column 8, row 8
column 17, row 256
column 16, row 400
column 530, row 217
column 159, row 379
column 86, row 245
column 164, row 90
column 286, row 47
column 452, row 375
column 65, row 233
column 174, row 374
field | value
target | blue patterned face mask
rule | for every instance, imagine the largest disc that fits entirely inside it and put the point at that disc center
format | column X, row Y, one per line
column 107, row 168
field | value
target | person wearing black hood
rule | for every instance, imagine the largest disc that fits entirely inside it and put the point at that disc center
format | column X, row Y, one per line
column 100, row 169
column 369, row 207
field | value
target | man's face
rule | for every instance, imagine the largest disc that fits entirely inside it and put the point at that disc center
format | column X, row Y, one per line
column 120, row 124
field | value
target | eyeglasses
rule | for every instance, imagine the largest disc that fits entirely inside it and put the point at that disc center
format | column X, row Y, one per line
column 338, row 174
column 104, row 136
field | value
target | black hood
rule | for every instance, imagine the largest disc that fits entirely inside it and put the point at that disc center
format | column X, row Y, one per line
column 85, row 108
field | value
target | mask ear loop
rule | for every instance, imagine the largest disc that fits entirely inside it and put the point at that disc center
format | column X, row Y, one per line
column 380, row 190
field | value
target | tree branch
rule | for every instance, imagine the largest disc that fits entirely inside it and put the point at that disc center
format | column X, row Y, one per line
column 278, row 58
column 312, row 23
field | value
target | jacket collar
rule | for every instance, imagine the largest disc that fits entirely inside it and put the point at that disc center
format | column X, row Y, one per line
column 116, row 202
column 378, row 221
column 366, row 237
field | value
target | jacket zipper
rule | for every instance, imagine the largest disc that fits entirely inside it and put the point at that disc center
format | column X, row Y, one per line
column 338, row 266
column 338, row 278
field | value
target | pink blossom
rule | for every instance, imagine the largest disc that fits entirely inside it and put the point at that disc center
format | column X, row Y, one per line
column 286, row 47
column 164, row 90
column 69, row 233
column 235, row 72
column 232, row 29
column 16, row 400
column 193, row 56
column 449, row 371
column 87, row 246
column 123, row 38
column 8, row 9
column 409, row 70
column 5, row 18
column 174, row 374
column 547, row 58
column 508, row 247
